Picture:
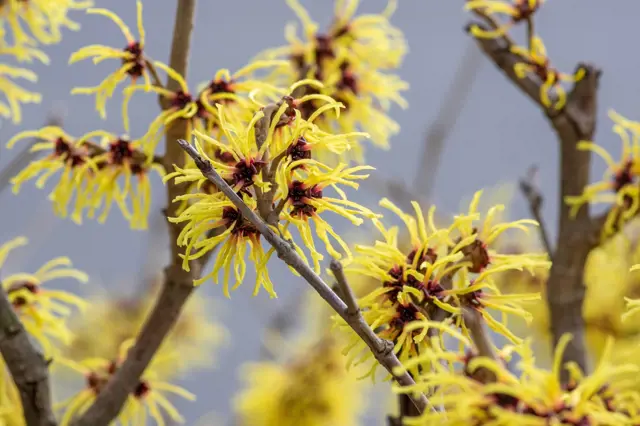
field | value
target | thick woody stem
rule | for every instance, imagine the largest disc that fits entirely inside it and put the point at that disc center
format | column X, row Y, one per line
column 28, row 368
column 573, row 123
column 178, row 283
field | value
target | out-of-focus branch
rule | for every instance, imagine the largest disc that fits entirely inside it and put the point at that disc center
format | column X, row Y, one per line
column 178, row 284
column 574, row 122
column 437, row 133
column 28, row 368
column 382, row 349
column 448, row 114
column 534, row 199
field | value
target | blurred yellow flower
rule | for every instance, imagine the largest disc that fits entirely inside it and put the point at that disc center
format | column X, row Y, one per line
column 44, row 18
column 193, row 340
column 92, row 173
column 351, row 60
column 312, row 389
column 16, row 95
column 43, row 311
column 148, row 400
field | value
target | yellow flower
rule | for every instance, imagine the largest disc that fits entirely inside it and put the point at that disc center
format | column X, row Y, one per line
column 517, row 11
column 122, row 159
column 536, row 62
column 234, row 92
column 134, row 63
column 212, row 212
column 42, row 311
column 44, row 18
column 193, row 340
column 348, row 59
column 91, row 172
column 301, row 186
column 16, row 95
column 148, row 399
column 369, row 39
column 435, row 276
column 367, row 94
column 313, row 389
column 181, row 105
column 263, row 164
column 394, row 266
column 474, row 242
column 532, row 396
column 617, row 186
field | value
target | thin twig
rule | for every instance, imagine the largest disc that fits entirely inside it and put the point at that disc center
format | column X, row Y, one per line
column 534, row 198
column 345, row 290
column 154, row 73
column 382, row 349
column 178, row 283
column 28, row 368
column 531, row 32
column 572, row 123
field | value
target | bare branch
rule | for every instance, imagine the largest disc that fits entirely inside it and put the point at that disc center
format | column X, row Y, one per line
column 382, row 349
column 574, row 122
column 345, row 290
column 178, row 283
column 534, row 198
column 29, row 369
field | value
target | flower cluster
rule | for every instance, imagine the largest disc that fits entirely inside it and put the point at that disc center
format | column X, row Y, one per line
column 97, row 174
column 44, row 20
column 478, row 390
column 352, row 59
column 313, row 389
column 436, row 273
column 619, row 185
column 533, row 58
column 268, row 160
column 149, row 399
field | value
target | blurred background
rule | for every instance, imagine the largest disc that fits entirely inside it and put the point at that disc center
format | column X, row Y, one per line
column 493, row 135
